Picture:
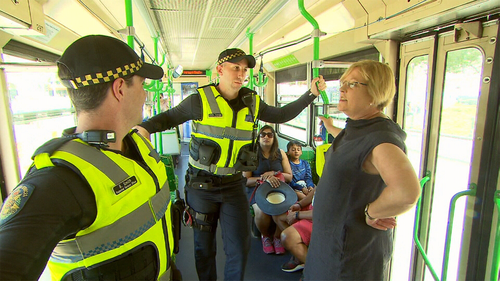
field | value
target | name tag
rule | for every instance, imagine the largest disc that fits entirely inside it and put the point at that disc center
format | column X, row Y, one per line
column 124, row 185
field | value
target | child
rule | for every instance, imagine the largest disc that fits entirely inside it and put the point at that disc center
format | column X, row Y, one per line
column 301, row 171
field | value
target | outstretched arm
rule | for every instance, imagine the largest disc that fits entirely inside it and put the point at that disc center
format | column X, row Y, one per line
column 328, row 122
column 286, row 113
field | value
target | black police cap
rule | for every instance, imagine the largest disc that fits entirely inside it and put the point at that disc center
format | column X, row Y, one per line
column 96, row 59
column 235, row 55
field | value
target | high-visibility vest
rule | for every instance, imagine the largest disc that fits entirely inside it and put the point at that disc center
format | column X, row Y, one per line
column 223, row 129
column 132, row 202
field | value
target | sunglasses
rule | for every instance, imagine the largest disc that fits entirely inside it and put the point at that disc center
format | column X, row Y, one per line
column 269, row 135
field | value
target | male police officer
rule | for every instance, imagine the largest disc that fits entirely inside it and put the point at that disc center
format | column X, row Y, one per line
column 224, row 123
column 96, row 201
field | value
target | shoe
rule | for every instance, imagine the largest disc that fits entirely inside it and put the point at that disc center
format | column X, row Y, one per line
column 292, row 265
column 267, row 246
column 278, row 248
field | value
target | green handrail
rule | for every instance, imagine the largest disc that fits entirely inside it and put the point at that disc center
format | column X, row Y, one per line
column 423, row 181
column 472, row 192
column 316, row 46
column 250, row 51
column 495, row 267
column 130, row 22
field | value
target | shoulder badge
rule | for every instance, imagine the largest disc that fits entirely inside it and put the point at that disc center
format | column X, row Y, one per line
column 15, row 202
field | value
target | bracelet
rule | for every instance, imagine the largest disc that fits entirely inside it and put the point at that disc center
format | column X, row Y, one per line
column 366, row 212
column 297, row 215
column 298, row 203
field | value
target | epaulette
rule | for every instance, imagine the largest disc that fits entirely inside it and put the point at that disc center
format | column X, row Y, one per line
column 51, row 146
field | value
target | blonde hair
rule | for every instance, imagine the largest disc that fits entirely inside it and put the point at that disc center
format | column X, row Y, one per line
column 380, row 80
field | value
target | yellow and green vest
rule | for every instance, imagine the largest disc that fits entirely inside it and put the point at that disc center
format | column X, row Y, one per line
column 229, row 131
column 132, row 201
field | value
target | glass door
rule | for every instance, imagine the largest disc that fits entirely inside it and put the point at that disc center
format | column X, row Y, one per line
column 442, row 115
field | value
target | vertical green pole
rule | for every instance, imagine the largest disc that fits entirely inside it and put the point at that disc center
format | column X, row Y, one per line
column 130, row 22
column 250, row 42
column 495, row 267
column 315, row 25
column 158, row 87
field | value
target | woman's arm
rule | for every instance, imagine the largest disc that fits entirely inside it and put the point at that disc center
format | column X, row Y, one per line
column 287, row 169
column 328, row 122
column 251, row 181
column 403, row 189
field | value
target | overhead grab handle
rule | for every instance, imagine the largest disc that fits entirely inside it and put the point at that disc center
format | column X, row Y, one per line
column 315, row 34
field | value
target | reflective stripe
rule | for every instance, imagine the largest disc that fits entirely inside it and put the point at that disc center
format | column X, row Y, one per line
column 152, row 152
column 212, row 168
column 222, row 133
column 214, row 107
column 126, row 228
column 66, row 252
column 97, row 159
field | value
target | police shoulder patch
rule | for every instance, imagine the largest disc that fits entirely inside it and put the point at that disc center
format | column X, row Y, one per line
column 16, row 201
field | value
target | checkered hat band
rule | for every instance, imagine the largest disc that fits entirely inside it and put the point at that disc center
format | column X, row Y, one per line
column 110, row 75
column 230, row 57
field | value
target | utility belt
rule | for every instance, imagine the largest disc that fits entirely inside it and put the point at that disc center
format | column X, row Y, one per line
column 199, row 179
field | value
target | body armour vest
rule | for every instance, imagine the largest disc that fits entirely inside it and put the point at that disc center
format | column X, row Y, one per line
column 220, row 139
column 133, row 207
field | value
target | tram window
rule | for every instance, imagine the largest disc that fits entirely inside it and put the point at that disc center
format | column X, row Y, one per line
column 40, row 107
column 288, row 92
column 339, row 118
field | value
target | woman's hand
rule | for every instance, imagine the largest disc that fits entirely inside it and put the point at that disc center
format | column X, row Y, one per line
column 291, row 217
column 267, row 175
column 273, row 181
column 305, row 190
column 295, row 207
column 381, row 224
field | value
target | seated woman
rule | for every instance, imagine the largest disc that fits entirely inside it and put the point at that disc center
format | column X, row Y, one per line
column 273, row 162
column 302, row 181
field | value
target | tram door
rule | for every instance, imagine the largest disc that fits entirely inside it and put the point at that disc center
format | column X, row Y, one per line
column 441, row 81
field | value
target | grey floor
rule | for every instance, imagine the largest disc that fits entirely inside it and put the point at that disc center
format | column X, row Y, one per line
column 259, row 266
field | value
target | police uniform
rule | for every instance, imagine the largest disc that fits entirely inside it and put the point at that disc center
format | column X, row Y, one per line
column 99, row 214
column 220, row 149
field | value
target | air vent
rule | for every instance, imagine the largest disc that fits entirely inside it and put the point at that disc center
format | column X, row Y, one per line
column 225, row 23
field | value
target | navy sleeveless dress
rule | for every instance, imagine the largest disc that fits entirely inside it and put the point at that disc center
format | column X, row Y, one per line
column 343, row 246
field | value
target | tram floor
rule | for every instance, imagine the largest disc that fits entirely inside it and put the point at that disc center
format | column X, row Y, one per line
column 259, row 265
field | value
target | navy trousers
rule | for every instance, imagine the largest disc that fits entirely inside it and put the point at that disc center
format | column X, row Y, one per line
column 230, row 203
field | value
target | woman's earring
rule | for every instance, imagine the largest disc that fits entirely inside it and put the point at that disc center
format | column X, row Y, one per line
column 371, row 104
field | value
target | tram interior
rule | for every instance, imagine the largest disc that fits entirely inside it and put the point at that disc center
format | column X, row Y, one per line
column 189, row 35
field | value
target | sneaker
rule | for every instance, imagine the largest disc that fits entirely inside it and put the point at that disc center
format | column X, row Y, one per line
column 267, row 246
column 278, row 248
column 292, row 265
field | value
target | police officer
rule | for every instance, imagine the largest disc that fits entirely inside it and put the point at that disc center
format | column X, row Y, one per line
column 95, row 203
column 224, row 127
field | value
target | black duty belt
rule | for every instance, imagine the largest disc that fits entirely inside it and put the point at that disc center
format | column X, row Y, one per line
column 207, row 181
